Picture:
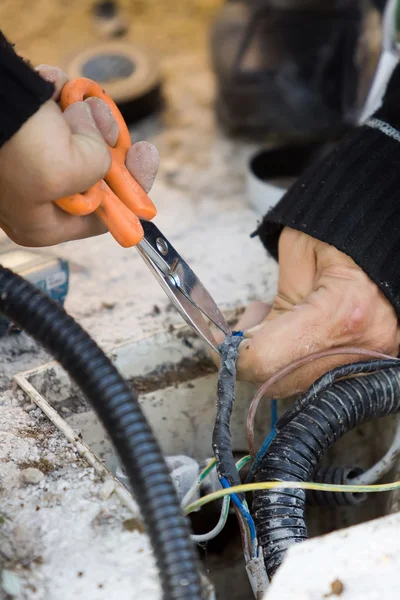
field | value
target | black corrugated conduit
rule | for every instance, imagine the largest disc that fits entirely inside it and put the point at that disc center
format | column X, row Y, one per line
column 336, row 476
column 296, row 451
column 326, row 381
column 118, row 408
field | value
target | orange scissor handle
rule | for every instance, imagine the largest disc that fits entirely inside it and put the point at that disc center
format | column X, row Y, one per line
column 118, row 200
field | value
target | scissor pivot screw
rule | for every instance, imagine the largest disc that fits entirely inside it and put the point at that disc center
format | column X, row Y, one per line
column 174, row 279
column 162, row 246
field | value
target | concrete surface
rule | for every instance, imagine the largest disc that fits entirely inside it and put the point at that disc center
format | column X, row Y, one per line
column 360, row 563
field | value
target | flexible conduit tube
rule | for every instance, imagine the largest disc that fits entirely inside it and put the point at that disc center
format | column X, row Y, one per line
column 298, row 448
column 336, row 476
column 119, row 410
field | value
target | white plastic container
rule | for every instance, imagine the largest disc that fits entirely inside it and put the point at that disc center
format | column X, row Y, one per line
column 272, row 171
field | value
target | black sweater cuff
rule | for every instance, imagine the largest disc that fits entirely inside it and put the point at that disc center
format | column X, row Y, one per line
column 351, row 200
column 22, row 91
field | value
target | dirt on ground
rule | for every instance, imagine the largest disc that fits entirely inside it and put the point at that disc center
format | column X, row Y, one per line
column 47, row 30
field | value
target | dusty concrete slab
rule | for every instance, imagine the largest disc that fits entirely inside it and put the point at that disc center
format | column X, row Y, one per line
column 359, row 563
column 62, row 537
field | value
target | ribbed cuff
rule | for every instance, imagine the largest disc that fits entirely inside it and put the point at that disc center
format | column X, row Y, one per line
column 351, row 200
column 22, row 91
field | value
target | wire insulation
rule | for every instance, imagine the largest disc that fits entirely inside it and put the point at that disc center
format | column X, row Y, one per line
column 326, row 381
column 383, row 466
column 260, row 454
column 242, row 507
column 300, row 446
column 221, row 437
column 206, row 537
column 197, row 483
column 292, row 367
column 295, row 485
column 267, row 442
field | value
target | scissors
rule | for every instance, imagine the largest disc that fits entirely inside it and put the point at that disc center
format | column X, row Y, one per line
column 126, row 209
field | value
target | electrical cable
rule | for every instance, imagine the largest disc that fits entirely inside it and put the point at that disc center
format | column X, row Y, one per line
column 221, row 437
column 244, row 535
column 243, row 509
column 299, row 447
column 321, row 384
column 118, row 409
column 292, row 367
column 206, row 537
column 243, row 488
column 326, row 381
column 267, row 442
column 201, row 538
column 261, row 453
column 197, row 483
column 384, row 465
column 335, row 475
column 248, row 532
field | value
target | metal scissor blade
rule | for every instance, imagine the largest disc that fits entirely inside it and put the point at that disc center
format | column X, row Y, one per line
column 169, row 262
column 187, row 310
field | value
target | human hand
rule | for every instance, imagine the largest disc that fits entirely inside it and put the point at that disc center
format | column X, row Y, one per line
column 324, row 301
column 56, row 154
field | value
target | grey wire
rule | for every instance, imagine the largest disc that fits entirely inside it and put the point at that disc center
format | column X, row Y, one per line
column 385, row 464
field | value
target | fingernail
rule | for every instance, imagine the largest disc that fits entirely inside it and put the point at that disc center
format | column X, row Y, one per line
column 143, row 160
column 55, row 76
column 104, row 120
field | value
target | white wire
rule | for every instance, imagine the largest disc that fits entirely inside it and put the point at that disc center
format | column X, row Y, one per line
column 206, row 537
column 383, row 466
column 191, row 492
column 194, row 487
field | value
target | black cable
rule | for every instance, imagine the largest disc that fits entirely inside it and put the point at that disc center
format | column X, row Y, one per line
column 119, row 410
column 326, row 380
column 296, row 451
column 323, row 383
column 222, row 438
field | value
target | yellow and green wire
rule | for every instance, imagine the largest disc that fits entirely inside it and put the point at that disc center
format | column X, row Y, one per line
column 302, row 485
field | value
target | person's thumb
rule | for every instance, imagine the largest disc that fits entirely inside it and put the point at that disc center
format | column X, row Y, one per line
column 88, row 158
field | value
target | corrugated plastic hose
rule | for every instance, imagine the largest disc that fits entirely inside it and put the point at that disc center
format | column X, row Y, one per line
column 296, row 451
column 335, row 476
column 118, row 408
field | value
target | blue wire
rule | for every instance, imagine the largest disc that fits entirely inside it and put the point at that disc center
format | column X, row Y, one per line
column 261, row 453
column 267, row 442
column 246, row 515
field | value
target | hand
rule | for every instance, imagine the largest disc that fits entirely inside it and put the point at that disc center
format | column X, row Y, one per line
column 56, row 154
column 324, row 301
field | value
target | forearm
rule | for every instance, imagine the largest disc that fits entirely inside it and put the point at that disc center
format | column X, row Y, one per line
column 22, row 91
column 351, row 199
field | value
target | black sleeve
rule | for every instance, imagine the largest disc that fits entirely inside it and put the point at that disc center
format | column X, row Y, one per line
column 22, row 91
column 351, row 198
